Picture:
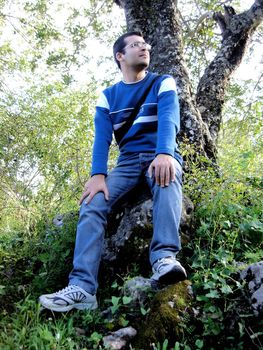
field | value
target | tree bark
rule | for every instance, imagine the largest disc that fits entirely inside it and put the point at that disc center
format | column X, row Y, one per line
column 201, row 114
column 236, row 32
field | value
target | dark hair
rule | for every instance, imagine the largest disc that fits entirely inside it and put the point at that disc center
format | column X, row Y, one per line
column 120, row 44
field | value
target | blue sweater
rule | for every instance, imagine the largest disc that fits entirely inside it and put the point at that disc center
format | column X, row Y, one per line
column 154, row 129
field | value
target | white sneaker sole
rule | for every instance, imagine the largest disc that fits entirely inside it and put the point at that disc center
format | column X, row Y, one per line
column 79, row 306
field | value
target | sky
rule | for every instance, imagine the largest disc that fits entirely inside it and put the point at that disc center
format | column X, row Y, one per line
column 96, row 49
column 249, row 69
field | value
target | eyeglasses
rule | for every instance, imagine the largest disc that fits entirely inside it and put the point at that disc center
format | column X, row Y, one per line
column 139, row 44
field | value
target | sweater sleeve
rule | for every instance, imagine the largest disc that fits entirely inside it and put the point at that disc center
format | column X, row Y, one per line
column 168, row 117
column 103, row 137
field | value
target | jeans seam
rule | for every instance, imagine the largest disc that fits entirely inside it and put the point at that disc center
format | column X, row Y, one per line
column 123, row 194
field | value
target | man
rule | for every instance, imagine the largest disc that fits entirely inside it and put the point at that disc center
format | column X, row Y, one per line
column 148, row 151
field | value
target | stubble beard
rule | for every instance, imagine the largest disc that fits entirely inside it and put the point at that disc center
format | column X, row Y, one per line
column 141, row 66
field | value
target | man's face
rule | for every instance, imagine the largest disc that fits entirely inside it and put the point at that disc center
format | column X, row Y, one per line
column 136, row 52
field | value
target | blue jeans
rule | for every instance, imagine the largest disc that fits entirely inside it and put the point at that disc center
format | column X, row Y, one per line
column 167, row 206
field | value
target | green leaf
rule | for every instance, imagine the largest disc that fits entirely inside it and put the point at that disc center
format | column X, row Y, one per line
column 202, row 298
column 199, row 343
column 123, row 322
column 115, row 300
column 213, row 294
column 144, row 311
column 177, row 346
column 165, row 344
column 126, row 300
column 114, row 285
column 226, row 289
column 2, row 291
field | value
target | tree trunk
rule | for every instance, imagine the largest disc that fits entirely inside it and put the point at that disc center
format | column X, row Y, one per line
column 160, row 23
column 236, row 32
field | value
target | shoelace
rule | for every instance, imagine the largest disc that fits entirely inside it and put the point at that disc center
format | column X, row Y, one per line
column 164, row 262
column 66, row 289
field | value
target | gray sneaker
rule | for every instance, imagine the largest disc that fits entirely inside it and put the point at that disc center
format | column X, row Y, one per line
column 168, row 271
column 69, row 298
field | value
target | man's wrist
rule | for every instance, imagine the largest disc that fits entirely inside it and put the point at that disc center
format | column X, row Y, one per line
column 164, row 154
column 99, row 175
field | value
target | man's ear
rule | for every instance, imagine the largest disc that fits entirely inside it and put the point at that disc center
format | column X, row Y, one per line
column 119, row 56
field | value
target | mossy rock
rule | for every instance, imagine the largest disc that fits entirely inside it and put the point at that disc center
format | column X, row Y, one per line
column 166, row 317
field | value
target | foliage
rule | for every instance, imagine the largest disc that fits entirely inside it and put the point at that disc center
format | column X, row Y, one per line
column 33, row 330
column 46, row 114
column 42, row 39
column 45, row 143
column 243, row 129
column 228, row 230
column 202, row 36
column 46, row 152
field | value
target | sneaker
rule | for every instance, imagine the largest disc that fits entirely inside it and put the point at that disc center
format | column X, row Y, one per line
column 168, row 271
column 69, row 298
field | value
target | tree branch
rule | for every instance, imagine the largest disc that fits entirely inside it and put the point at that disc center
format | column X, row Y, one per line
column 204, row 16
column 236, row 32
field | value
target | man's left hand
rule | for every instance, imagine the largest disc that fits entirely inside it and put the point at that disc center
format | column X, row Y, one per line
column 163, row 168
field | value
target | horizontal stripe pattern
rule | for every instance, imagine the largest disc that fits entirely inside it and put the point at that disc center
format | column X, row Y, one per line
column 122, row 110
column 154, row 129
column 102, row 101
column 146, row 119
column 119, row 125
column 167, row 84
column 149, row 104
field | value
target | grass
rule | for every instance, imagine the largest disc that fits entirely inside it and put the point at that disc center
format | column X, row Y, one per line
column 228, row 230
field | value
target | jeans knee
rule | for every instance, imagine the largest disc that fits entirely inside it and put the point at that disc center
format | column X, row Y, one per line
column 97, row 204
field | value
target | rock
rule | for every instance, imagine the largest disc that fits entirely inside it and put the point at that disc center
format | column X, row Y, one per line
column 63, row 219
column 139, row 288
column 253, row 275
column 128, row 214
column 138, row 217
column 129, row 231
column 186, row 220
column 58, row 220
column 119, row 339
column 79, row 331
column 168, row 309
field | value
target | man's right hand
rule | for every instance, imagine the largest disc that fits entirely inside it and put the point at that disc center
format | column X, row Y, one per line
column 94, row 185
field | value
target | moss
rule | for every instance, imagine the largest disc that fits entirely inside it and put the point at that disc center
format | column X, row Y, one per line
column 166, row 317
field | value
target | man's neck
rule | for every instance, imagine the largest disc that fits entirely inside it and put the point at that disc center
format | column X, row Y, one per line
column 132, row 76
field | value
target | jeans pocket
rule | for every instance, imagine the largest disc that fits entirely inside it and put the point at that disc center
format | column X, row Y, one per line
column 178, row 171
column 146, row 159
